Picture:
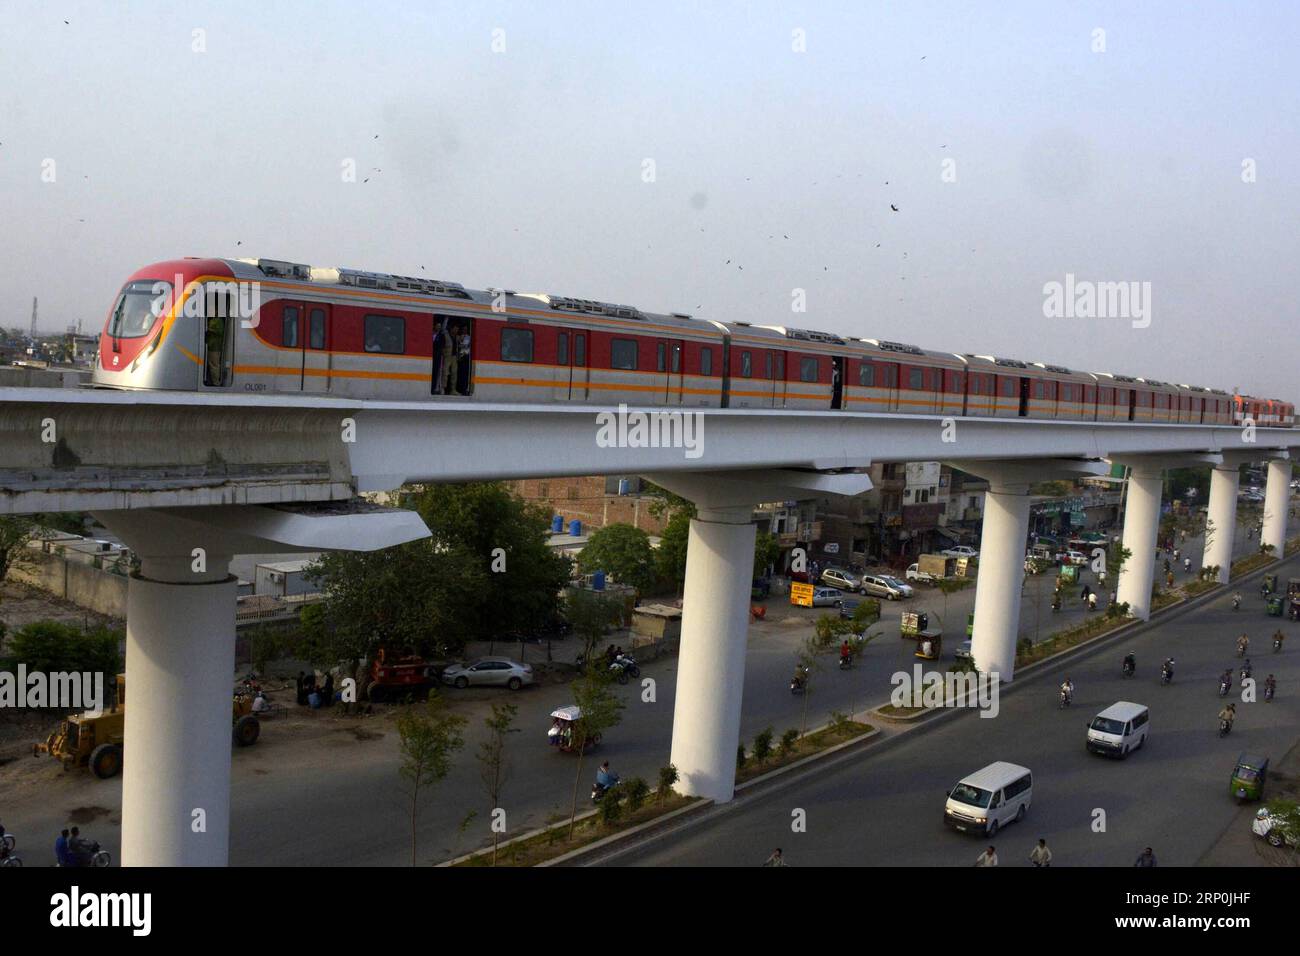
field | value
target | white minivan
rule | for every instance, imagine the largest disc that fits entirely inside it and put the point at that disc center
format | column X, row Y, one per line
column 990, row 798
column 1121, row 727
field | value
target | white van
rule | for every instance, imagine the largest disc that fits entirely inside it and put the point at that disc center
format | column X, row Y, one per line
column 990, row 798
column 1121, row 727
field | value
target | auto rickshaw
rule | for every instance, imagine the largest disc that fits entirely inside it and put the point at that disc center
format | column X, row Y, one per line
column 1069, row 574
column 929, row 644
column 1274, row 605
column 1270, row 584
column 1248, row 777
column 970, row 624
column 562, row 734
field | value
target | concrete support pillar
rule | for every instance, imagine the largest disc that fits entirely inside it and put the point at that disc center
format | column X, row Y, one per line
column 1277, row 500
column 711, row 660
column 1222, row 516
column 1001, row 575
column 1141, row 525
column 180, row 662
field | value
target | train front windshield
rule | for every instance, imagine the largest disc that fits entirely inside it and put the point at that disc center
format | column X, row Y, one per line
column 138, row 307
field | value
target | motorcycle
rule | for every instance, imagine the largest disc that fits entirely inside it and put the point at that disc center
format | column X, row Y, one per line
column 1066, row 699
column 1236, row 604
column 1277, row 644
column 846, row 661
column 95, row 856
column 1225, row 727
column 624, row 666
column 1166, row 674
column 1128, row 667
column 1241, row 649
column 1268, row 693
column 1224, row 685
column 7, row 855
column 799, row 681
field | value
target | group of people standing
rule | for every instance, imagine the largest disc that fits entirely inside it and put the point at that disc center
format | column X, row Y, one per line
column 451, row 358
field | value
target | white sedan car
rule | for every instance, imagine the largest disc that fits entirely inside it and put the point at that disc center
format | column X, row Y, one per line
column 961, row 551
column 489, row 672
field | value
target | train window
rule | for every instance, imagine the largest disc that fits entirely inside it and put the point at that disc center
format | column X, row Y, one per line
column 562, row 349
column 915, row 378
column 706, row 361
column 316, row 330
column 1038, row 390
column 866, row 374
column 385, row 333
column 580, row 351
column 677, row 358
column 139, row 305
column 517, row 345
column 622, row 353
column 746, row 365
column 661, row 357
column 975, row 384
column 807, row 369
column 768, row 366
column 289, row 327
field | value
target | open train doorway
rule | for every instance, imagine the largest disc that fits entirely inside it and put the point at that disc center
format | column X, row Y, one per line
column 1024, row 398
column 837, row 382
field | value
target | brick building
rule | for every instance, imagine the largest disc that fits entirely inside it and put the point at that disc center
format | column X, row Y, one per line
column 594, row 500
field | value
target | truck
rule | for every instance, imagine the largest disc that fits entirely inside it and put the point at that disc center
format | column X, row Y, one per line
column 932, row 568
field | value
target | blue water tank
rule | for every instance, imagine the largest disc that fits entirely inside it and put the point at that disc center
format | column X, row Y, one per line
column 624, row 486
column 557, row 524
column 598, row 581
column 575, row 528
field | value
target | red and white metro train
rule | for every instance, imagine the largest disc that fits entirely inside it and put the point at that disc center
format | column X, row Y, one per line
column 263, row 325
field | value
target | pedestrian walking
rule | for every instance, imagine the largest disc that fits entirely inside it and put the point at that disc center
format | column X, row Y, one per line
column 1146, row 858
column 1041, row 855
column 776, row 859
column 988, row 858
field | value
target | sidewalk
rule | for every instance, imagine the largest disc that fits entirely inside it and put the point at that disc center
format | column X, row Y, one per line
column 1238, row 846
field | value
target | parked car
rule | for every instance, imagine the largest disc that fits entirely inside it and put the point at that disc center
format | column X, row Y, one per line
column 903, row 587
column 961, row 551
column 827, row 597
column 489, row 672
column 839, row 578
column 848, row 605
column 878, row 585
column 1075, row 558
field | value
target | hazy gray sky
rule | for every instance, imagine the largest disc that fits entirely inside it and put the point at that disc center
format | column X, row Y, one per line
column 524, row 168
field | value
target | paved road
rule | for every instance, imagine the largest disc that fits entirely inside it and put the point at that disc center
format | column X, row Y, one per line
column 886, row 809
column 292, row 807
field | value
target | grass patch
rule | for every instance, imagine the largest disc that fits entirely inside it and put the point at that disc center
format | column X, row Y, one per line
column 1199, row 587
column 805, row 746
column 553, row 842
column 1246, row 565
column 1071, row 637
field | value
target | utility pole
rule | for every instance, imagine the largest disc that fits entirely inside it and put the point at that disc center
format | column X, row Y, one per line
column 33, row 330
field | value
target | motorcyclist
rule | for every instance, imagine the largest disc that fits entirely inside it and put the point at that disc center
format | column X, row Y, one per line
column 1092, row 600
column 1228, row 714
column 1187, row 565
column 1236, row 600
column 1245, row 669
column 1167, row 668
column 846, row 652
column 605, row 778
column 1225, row 679
column 1270, row 687
column 80, row 849
column 1067, row 688
column 1243, row 642
column 800, row 673
column 1130, row 663
column 1278, row 638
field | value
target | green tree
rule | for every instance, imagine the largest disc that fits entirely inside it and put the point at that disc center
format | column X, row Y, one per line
column 592, row 615
column 767, row 548
column 668, row 778
column 410, row 596
column 624, row 552
column 15, row 530
column 428, row 736
column 949, row 587
column 494, row 763
column 600, row 710
column 50, row 646
column 670, row 556
column 504, row 541
column 763, row 745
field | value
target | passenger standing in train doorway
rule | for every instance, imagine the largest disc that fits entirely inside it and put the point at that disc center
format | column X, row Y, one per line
column 448, row 357
column 462, row 359
column 439, row 366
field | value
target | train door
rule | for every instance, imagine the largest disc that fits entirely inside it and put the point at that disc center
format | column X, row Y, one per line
column 1024, row 398
column 289, row 358
column 670, row 354
column 579, row 373
column 889, row 381
column 315, row 349
column 837, row 381
column 779, row 386
column 1132, row 403
column 221, row 320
